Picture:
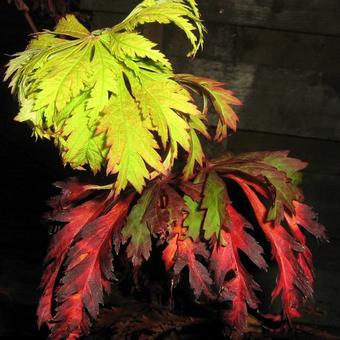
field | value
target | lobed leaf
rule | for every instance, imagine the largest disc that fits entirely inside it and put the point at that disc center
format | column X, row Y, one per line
column 88, row 270
column 130, row 144
column 220, row 98
column 181, row 252
column 137, row 231
column 194, row 219
column 215, row 199
column 240, row 289
column 186, row 17
column 276, row 180
column 294, row 284
column 60, row 244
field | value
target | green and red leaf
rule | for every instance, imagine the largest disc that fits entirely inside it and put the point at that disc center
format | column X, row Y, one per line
column 220, row 98
column 276, row 172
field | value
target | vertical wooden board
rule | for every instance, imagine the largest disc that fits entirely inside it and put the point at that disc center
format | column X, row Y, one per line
column 299, row 103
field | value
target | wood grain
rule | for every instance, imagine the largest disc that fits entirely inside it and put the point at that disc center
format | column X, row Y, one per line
column 317, row 17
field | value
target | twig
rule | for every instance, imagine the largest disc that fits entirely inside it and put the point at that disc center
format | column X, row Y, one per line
column 21, row 6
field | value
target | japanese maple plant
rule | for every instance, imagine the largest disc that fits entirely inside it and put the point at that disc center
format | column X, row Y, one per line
column 109, row 100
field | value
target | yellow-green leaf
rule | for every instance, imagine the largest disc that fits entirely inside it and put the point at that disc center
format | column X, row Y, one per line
column 69, row 25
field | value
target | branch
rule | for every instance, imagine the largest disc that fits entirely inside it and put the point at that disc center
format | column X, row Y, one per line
column 21, row 6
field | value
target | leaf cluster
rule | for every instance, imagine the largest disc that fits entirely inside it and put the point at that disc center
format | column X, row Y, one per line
column 109, row 99
column 196, row 226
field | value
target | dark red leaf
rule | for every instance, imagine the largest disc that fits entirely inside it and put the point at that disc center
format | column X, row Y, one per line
column 175, row 205
column 77, row 218
column 72, row 190
column 156, row 215
column 181, row 252
column 88, row 270
column 305, row 217
column 193, row 190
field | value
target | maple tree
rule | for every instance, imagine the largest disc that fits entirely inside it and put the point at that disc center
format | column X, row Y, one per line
column 110, row 100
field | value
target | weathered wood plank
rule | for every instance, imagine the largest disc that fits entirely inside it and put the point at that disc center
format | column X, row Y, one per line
column 236, row 44
column 105, row 19
column 319, row 154
column 323, row 193
column 284, row 101
column 326, row 293
column 319, row 16
column 325, row 255
column 325, row 297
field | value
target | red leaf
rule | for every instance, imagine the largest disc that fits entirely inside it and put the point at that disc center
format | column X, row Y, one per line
column 243, row 240
column 88, row 270
column 293, row 284
column 307, row 218
column 72, row 190
column 170, row 250
column 225, row 258
column 77, row 218
column 181, row 252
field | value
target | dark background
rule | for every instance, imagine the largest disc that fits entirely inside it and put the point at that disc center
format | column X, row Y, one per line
column 281, row 57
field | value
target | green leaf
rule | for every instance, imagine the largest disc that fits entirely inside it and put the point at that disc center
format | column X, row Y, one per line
column 194, row 219
column 215, row 200
column 26, row 112
column 137, row 231
column 291, row 166
column 125, row 88
column 104, row 72
column 186, row 17
column 196, row 155
column 81, row 145
column 162, row 100
column 44, row 40
column 134, row 45
column 130, row 144
column 69, row 25
column 62, row 81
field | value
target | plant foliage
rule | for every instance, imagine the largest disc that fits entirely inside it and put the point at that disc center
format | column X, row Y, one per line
column 110, row 100
column 116, row 103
